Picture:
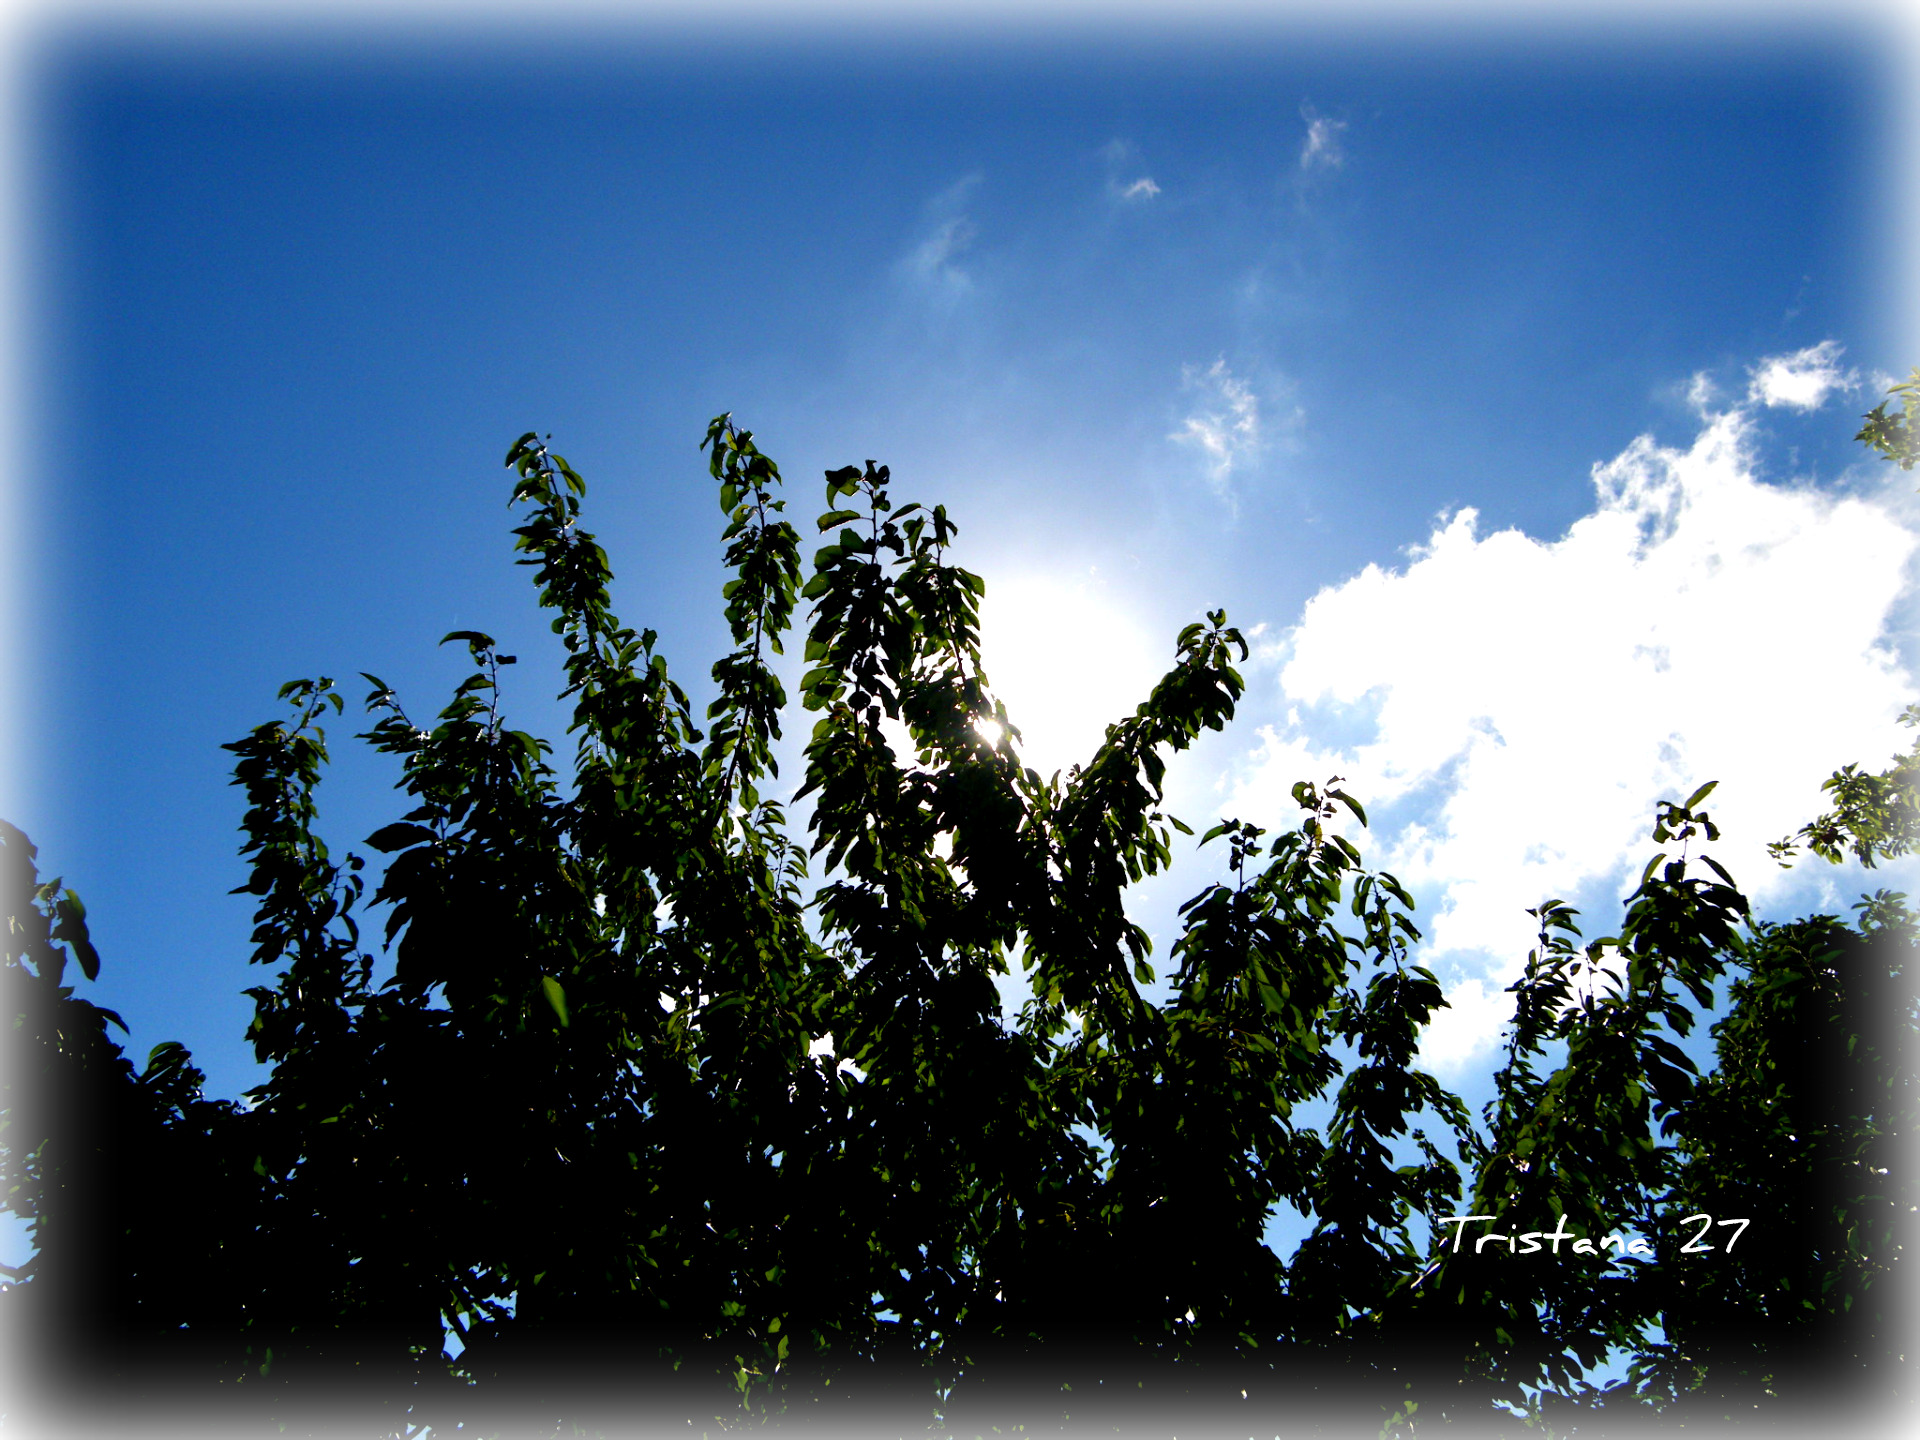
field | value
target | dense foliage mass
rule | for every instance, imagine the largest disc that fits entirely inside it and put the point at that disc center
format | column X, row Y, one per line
column 626, row 1117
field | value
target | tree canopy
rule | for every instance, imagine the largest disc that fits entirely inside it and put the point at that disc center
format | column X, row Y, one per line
column 1896, row 437
column 622, row 1115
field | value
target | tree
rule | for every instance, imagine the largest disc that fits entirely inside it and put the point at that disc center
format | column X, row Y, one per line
column 1896, row 436
column 627, row 1114
column 1874, row 817
column 1802, row 1126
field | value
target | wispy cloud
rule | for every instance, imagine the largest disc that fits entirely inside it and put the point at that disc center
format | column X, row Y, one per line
column 933, row 257
column 1125, row 183
column 1225, row 423
column 1321, row 150
column 1802, row 380
column 1232, row 423
column 1512, row 708
column 931, row 264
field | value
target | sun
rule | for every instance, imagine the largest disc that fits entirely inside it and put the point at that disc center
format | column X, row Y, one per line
column 1069, row 657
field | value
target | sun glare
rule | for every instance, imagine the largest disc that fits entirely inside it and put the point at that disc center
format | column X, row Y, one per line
column 1068, row 658
column 991, row 731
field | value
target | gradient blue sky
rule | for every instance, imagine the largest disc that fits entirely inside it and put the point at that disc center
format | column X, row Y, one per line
column 1168, row 321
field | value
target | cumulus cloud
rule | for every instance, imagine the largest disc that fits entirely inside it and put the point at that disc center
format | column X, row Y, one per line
column 1510, row 709
column 1141, row 189
column 1802, row 380
column 1321, row 150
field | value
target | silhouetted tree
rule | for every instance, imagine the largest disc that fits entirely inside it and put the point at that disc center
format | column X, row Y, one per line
column 622, row 1118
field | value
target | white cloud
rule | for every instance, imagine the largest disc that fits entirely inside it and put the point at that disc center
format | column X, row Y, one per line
column 1515, row 706
column 1119, row 157
column 1802, row 380
column 1225, row 425
column 930, row 265
column 1321, row 150
column 933, row 257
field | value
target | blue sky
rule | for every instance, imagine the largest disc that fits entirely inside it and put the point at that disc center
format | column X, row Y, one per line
column 1504, row 383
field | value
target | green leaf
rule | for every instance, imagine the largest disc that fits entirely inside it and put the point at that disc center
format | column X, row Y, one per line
column 1700, row 794
column 556, row 997
column 398, row 836
column 1351, row 804
column 88, row 957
